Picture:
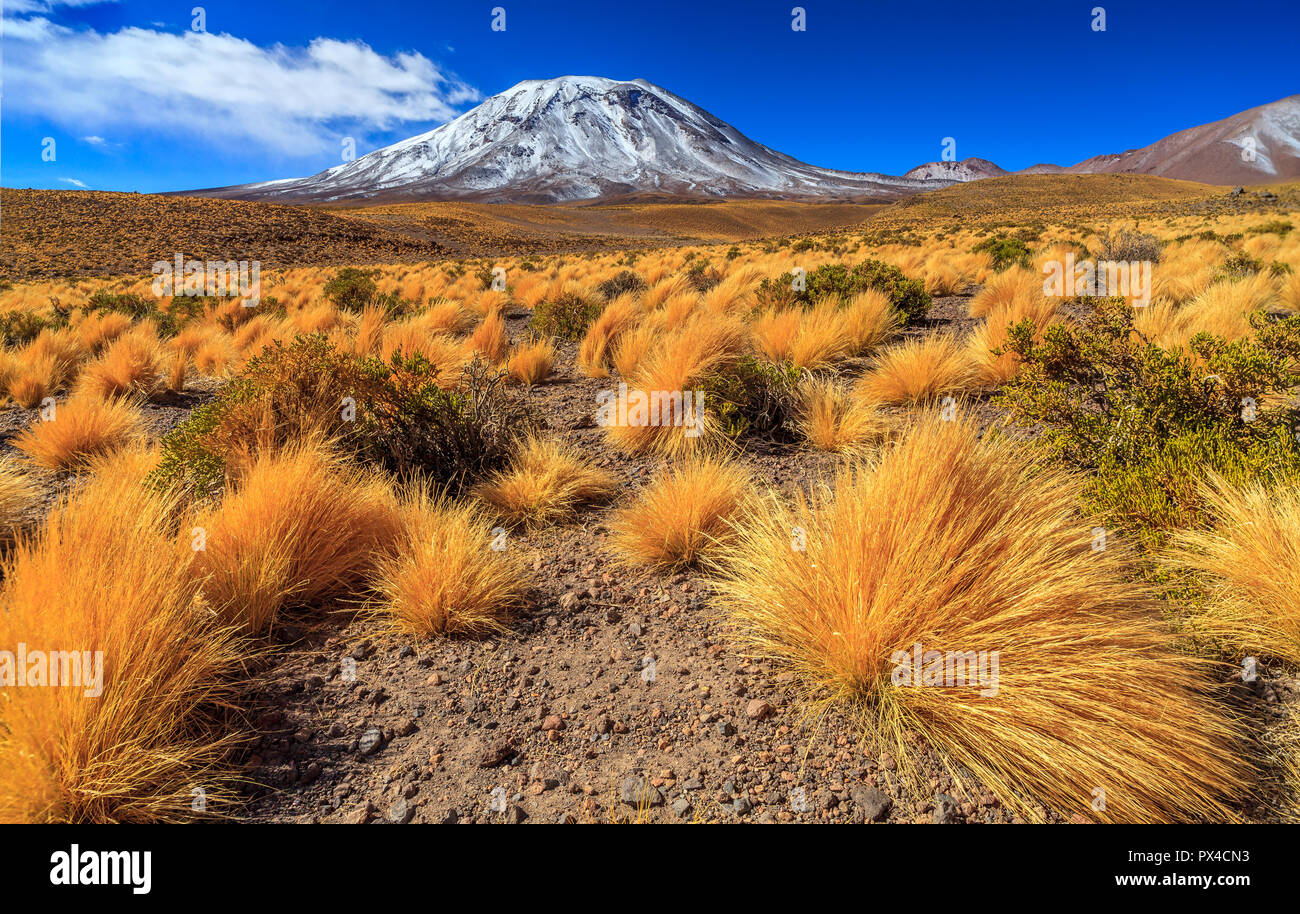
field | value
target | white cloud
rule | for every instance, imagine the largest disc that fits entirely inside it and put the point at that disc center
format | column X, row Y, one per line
column 299, row 101
column 94, row 140
column 75, row 183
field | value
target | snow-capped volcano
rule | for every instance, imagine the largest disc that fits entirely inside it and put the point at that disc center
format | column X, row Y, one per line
column 579, row 138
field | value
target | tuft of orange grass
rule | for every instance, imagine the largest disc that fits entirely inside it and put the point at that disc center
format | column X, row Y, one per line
column 1016, row 288
column 103, row 574
column 445, row 574
column 594, row 353
column 830, row 418
column 130, row 366
column 17, row 497
column 871, row 320
column 98, row 330
column 490, row 337
column 1248, row 561
column 1223, row 309
column 964, row 545
column 300, row 528
column 547, row 482
column 78, row 430
column 682, row 514
column 918, row 370
column 532, row 361
column 662, row 376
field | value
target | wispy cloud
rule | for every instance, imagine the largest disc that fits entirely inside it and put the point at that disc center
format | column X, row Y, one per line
column 75, row 183
column 299, row 101
column 94, row 140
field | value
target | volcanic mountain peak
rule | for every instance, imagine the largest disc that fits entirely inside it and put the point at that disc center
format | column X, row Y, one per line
column 579, row 138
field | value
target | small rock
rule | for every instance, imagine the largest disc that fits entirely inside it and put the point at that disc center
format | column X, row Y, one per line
column 945, row 809
column 637, row 792
column 370, row 742
column 400, row 812
column 758, row 709
column 682, row 807
column 741, row 806
column 873, row 803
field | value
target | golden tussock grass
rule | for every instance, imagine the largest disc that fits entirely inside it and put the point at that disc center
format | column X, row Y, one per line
column 830, row 418
column 301, row 528
column 490, row 338
column 1016, row 288
column 80, row 429
column 594, row 351
column 547, row 482
column 103, row 574
column 17, row 497
column 965, row 545
column 663, row 373
column 872, row 320
column 444, row 574
column 532, row 361
column 918, row 370
column 1249, row 563
column 98, row 330
column 130, row 366
column 683, row 513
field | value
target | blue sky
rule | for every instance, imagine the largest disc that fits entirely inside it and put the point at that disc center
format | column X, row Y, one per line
column 135, row 99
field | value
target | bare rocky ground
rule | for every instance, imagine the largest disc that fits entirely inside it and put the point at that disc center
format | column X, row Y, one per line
column 615, row 696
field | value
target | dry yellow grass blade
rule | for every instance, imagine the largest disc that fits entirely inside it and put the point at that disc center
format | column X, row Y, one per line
column 447, row 572
column 681, row 514
column 103, row 574
column 547, row 482
column 966, row 547
column 17, row 496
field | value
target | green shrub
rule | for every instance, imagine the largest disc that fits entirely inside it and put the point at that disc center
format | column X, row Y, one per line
column 908, row 295
column 351, row 289
column 1004, row 251
column 1274, row 227
column 621, row 283
column 1147, row 423
column 18, row 327
column 450, row 438
column 395, row 416
column 753, row 398
column 565, row 317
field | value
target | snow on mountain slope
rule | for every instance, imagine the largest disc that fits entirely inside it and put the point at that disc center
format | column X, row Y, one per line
column 579, row 138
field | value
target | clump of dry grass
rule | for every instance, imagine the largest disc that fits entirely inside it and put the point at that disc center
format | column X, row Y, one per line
column 1249, row 563
column 547, row 482
column 918, row 370
column 671, row 365
column 103, row 574
column 682, row 513
column 532, row 361
column 446, row 572
column 80, row 429
column 830, row 418
column 130, row 366
column 17, row 496
column 302, row 527
column 1016, row 288
column 965, row 545
column 490, row 338
column 594, row 353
